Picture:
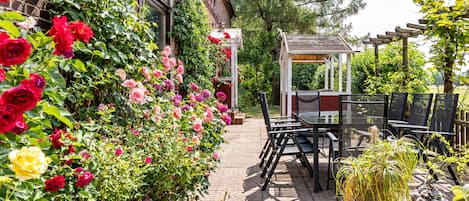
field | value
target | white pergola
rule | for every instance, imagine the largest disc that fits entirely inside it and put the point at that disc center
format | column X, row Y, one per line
column 307, row 49
column 235, row 42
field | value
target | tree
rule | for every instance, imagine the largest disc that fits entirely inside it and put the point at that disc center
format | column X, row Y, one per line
column 449, row 30
column 391, row 76
column 260, row 20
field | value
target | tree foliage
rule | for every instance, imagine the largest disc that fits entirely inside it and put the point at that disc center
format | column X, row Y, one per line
column 260, row 20
column 449, row 31
column 391, row 76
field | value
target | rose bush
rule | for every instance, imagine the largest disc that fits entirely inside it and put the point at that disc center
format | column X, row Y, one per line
column 100, row 119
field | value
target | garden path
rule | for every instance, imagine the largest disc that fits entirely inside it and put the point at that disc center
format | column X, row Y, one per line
column 238, row 177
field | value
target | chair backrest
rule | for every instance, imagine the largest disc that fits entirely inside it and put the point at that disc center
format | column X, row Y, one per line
column 397, row 106
column 357, row 113
column 307, row 101
column 444, row 112
column 265, row 109
column 420, row 109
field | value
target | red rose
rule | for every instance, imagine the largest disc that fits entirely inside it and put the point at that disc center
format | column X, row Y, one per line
column 3, row 36
column 14, row 51
column 214, row 40
column 84, row 179
column 71, row 149
column 36, row 83
column 55, row 139
column 81, row 31
column 54, row 184
column 227, row 52
column 8, row 117
column 23, row 98
column 2, row 75
column 20, row 126
column 227, row 35
column 63, row 37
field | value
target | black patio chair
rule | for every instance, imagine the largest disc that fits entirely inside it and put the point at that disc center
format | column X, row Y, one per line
column 289, row 140
column 442, row 123
column 397, row 106
column 357, row 113
column 309, row 102
column 419, row 113
column 273, row 125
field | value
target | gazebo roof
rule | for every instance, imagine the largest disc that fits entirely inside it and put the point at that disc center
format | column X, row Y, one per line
column 313, row 48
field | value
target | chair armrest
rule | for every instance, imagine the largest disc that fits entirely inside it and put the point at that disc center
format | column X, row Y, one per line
column 332, row 136
column 286, row 125
column 281, row 117
column 397, row 122
column 409, row 126
column 275, row 121
column 431, row 132
column 289, row 131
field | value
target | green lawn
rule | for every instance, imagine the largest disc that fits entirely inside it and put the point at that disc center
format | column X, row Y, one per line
column 256, row 112
column 463, row 92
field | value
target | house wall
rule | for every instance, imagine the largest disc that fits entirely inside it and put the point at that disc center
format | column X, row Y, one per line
column 220, row 11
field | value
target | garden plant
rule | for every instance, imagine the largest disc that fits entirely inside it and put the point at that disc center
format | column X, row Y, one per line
column 87, row 117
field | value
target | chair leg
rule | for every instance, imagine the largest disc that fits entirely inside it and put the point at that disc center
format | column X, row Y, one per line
column 331, row 149
column 303, row 157
column 277, row 159
column 444, row 151
column 264, row 148
column 266, row 153
column 273, row 153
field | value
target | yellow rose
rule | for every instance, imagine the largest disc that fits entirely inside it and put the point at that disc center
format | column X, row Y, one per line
column 28, row 162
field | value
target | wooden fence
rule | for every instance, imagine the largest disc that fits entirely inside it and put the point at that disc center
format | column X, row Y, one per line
column 462, row 128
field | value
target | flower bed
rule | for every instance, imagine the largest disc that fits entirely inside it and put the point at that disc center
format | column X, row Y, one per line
column 69, row 131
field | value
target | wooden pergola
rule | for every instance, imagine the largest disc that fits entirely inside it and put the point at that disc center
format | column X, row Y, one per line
column 307, row 49
column 412, row 30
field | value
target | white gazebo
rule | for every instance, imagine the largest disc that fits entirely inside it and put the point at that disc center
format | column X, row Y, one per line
column 307, row 49
column 229, row 73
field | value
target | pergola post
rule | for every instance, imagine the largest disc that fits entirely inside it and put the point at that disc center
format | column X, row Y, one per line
column 340, row 72
column 326, row 74
column 234, row 77
column 405, row 60
column 282, row 84
column 349, row 73
column 376, row 59
column 332, row 72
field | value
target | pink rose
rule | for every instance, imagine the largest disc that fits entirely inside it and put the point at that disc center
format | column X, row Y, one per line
column 129, row 84
column 172, row 62
column 192, row 97
column 137, row 96
column 179, row 78
column 177, row 113
column 193, row 86
column 121, row 74
column 148, row 160
column 85, row 155
column 146, row 73
column 118, row 151
column 190, row 148
column 166, row 64
column 222, row 108
column 194, row 117
column 216, row 155
column 197, row 126
column 166, row 51
column 158, row 73
column 227, row 119
column 139, row 85
column 208, row 116
column 195, row 140
column 180, row 69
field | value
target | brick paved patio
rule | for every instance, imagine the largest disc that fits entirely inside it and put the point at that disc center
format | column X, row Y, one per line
column 238, row 177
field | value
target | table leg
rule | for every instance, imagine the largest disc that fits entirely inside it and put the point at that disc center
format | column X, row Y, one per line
column 317, row 186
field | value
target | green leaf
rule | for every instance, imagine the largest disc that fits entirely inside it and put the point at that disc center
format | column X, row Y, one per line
column 54, row 111
column 10, row 28
column 11, row 15
column 79, row 65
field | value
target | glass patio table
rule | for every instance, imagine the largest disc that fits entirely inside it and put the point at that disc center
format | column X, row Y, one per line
column 316, row 120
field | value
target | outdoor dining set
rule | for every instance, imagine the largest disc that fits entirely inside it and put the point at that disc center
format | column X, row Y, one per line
column 358, row 121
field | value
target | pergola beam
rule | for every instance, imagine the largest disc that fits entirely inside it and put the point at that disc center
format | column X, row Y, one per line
column 416, row 26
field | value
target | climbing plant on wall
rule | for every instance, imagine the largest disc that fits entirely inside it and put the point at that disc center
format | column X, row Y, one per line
column 191, row 29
